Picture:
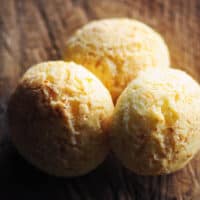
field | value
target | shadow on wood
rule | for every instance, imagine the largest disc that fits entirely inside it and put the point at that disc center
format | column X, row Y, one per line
column 109, row 181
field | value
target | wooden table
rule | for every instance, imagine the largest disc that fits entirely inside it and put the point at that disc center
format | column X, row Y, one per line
column 36, row 30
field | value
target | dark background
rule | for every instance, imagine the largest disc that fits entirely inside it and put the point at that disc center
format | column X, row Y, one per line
column 36, row 30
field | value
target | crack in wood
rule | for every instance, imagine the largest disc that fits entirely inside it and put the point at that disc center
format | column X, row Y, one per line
column 41, row 9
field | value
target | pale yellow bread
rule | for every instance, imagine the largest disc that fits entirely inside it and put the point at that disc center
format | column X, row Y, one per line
column 58, row 118
column 115, row 50
column 156, row 123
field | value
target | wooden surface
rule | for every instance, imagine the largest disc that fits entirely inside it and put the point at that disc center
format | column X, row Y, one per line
column 36, row 30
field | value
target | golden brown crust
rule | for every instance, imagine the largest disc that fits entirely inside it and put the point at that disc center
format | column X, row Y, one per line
column 156, row 122
column 115, row 50
column 58, row 116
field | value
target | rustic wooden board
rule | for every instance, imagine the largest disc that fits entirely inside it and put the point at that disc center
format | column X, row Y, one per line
column 36, row 30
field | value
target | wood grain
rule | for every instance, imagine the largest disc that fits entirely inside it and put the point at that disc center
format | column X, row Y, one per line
column 36, row 30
